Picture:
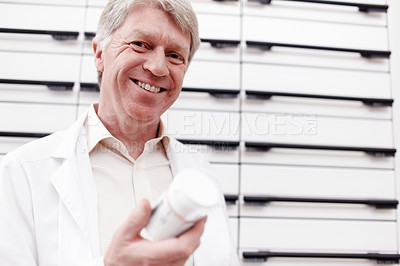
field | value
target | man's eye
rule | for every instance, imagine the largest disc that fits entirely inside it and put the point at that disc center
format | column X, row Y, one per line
column 176, row 58
column 139, row 45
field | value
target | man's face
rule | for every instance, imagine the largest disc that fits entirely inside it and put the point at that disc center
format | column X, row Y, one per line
column 143, row 65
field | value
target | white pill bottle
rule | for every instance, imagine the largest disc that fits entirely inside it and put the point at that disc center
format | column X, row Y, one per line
column 188, row 198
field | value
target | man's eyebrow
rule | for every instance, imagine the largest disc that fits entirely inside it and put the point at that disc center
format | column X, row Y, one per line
column 148, row 35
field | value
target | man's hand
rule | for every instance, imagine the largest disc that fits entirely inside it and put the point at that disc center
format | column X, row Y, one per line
column 129, row 248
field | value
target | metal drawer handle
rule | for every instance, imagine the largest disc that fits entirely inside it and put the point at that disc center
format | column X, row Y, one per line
column 90, row 87
column 57, row 35
column 231, row 199
column 264, row 95
column 89, row 35
column 377, row 203
column 381, row 258
column 263, row 146
column 361, row 7
column 222, row 43
column 216, row 144
column 22, row 134
column 265, row 46
column 225, row 0
column 52, row 85
column 217, row 93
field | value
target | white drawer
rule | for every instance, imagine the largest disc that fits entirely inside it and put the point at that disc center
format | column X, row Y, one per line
column 316, row 130
column 214, row 75
column 50, row 2
column 311, row 140
column 219, row 91
column 97, row 3
column 284, row 190
column 216, row 134
column 214, row 154
column 196, row 125
column 219, row 28
column 312, row 259
column 228, row 177
column 307, row 91
column 36, row 118
column 200, row 99
column 233, row 228
column 318, row 12
column 39, row 67
column 8, row 144
column 317, row 235
column 88, row 90
column 315, row 34
column 92, row 21
column 37, row 93
column 56, row 31
column 216, row 7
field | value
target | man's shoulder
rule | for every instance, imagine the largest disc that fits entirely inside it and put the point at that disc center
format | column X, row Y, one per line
column 38, row 149
column 48, row 146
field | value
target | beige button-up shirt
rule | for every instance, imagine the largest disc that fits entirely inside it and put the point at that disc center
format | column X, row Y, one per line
column 121, row 181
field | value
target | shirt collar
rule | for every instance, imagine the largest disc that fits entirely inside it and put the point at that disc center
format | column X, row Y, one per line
column 96, row 132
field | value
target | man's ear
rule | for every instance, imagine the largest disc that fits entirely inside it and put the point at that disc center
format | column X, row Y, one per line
column 98, row 57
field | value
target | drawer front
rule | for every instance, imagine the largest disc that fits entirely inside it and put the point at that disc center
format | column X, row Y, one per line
column 36, row 94
column 97, row 3
column 228, row 177
column 35, row 118
column 302, row 129
column 219, row 91
column 196, row 125
column 219, row 27
column 315, row 34
column 234, row 230
column 44, row 78
column 39, row 67
column 317, row 235
column 216, row 134
column 297, row 90
column 309, row 261
column 89, row 76
column 204, row 100
column 52, row 2
column 216, row 7
column 92, row 20
column 289, row 185
column 62, row 22
column 317, row 12
column 218, row 75
column 8, row 144
column 320, row 141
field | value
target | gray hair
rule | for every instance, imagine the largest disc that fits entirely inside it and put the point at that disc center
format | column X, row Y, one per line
column 116, row 10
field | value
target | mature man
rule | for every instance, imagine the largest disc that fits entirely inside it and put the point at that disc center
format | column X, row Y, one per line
column 82, row 196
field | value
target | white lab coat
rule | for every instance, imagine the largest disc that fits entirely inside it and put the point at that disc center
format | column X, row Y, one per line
column 48, row 205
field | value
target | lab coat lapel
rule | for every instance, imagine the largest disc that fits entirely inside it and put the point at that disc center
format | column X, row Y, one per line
column 75, row 185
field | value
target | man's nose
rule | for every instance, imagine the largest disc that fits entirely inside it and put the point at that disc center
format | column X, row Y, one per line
column 157, row 64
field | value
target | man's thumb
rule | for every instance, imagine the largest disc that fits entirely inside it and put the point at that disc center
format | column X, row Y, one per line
column 137, row 220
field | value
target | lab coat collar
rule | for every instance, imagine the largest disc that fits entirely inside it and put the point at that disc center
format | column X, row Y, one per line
column 70, row 136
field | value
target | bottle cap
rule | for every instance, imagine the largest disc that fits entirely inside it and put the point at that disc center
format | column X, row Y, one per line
column 192, row 194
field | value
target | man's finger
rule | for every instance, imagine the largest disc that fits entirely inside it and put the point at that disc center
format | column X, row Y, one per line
column 136, row 220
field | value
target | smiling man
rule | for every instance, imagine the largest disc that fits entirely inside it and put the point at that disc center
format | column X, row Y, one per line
column 82, row 196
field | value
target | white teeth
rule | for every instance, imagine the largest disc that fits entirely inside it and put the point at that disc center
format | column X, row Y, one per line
column 148, row 87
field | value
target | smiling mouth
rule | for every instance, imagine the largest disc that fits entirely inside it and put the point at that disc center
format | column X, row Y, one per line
column 148, row 87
